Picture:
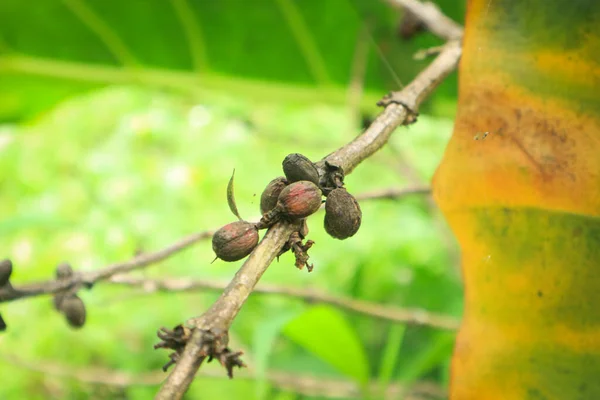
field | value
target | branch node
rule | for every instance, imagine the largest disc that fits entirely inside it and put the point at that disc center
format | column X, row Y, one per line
column 213, row 345
column 400, row 99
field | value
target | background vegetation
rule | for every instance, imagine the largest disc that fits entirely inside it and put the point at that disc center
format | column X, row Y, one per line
column 120, row 124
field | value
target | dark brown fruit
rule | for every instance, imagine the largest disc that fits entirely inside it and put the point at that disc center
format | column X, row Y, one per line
column 74, row 311
column 5, row 271
column 342, row 214
column 269, row 196
column 300, row 199
column 235, row 241
column 297, row 167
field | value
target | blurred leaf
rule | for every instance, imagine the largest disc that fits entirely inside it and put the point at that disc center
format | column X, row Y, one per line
column 231, row 197
column 210, row 388
column 286, row 396
column 358, row 278
column 323, row 331
column 269, row 49
column 390, row 356
column 31, row 220
column 265, row 335
column 436, row 351
column 446, row 372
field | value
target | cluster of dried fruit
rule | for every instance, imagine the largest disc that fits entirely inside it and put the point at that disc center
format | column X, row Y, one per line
column 68, row 303
column 294, row 197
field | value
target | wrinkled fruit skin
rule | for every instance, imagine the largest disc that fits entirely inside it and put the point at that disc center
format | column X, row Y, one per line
column 269, row 196
column 300, row 199
column 297, row 167
column 342, row 214
column 5, row 271
column 235, row 241
column 74, row 311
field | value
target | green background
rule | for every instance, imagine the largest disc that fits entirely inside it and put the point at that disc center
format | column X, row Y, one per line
column 120, row 125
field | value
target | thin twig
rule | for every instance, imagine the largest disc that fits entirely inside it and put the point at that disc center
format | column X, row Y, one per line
column 88, row 278
column 390, row 313
column 305, row 385
column 394, row 193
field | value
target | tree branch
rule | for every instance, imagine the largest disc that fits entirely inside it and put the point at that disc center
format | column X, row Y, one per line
column 89, row 278
column 375, row 310
column 401, row 108
column 394, row 193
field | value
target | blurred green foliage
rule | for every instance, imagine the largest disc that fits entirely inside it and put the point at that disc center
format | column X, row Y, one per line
column 306, row 50
column 98, row 161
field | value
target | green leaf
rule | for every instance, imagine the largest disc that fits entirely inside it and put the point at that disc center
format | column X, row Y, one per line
column 264, row 337
column 197, row 47
column 438, row 350
column 390, row 355
column 231, row 197
column 324, row 332
column 286, row 396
